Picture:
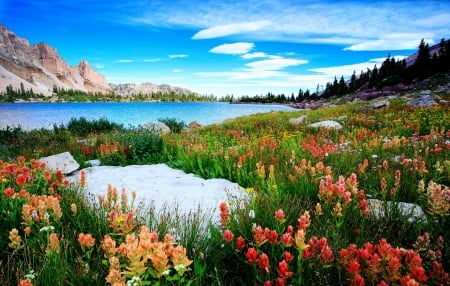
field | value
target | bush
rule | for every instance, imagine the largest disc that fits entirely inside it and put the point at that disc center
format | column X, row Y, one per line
column 174, row 124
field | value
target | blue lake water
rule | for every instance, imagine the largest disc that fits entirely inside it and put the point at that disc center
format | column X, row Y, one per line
column 45, row 115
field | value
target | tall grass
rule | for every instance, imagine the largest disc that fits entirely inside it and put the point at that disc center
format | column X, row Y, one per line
column 325, row 206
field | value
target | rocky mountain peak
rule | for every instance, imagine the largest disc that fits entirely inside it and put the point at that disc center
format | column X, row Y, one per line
column 40, row 67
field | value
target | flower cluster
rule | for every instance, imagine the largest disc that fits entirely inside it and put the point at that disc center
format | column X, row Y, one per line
column 383, row 264
column 438, row 198
column 342, row 193
column 143, row 256
column 260, row 249
column 41, row 210
column 120, row 215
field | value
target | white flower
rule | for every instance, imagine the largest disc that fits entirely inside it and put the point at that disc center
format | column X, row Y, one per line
column 49, row 228
column 251, row 214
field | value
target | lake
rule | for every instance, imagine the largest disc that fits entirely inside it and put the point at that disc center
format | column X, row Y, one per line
column 45, row 115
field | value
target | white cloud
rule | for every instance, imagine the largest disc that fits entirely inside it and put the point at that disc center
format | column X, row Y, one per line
column 124, row 61
column 154, row 60
column 178, row 56
column 355, row 25
column 99, row 65
column 177, row 70
column 254, row 55
column 230, row 29
column 233, row 49
column 275, row 63
column 391, row 42
column 347, row 70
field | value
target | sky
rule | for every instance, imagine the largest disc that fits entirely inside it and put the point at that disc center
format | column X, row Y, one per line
column 229, row 47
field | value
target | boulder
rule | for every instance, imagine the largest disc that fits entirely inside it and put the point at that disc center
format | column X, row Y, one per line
column 413, row 212
column 423, row 100
column 298, row 120
column 194, row 125
column 157, row 127
column 326, row 124
column 63, row 161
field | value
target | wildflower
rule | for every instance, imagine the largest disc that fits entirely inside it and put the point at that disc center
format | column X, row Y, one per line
column 259, row 236
column 27, row 230
column 337, row 210
column 286, row 239
column 288, row 257
column 25, row 282
column 9, row 192
column 240, row 243
column 304, row 221
column 83, row 178
column 15, row 239
column 224, row 214
column 228, row 235
column 251, row 214
column 300, row 239
column 279, row 215
column 86, row 240
column 21, row 180
column 251, row 255
column 48, row 228
column 283, row 270
column 54, row 243
column 318, row 209
column 263, row 262
column 272, row 236
column 73, row 209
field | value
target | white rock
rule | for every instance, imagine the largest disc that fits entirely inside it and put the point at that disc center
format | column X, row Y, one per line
column 157, row 127
column 413, row 212
column 326, row 124
column 298, row 120
column 159, row 185
column 63, row 161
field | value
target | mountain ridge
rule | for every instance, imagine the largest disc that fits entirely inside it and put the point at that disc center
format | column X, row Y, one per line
column 40, row 68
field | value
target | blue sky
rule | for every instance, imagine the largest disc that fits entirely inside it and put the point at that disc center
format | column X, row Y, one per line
column 229, row 47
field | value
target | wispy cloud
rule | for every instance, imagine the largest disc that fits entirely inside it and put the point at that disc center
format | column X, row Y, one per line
column 276, row 63
column 254, row 55
column 347, row 70
column 233, row 49
column 231, row 29
column 153, row 60
column 99, row 65
column 177, row 70
column 354, row 25
column 124, row 61
column 178, row 56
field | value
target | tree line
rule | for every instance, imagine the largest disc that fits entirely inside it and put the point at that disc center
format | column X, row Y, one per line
column 427, row 63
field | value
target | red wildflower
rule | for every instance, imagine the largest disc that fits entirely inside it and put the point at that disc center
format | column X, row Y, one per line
column 259, row 235
column 9, row 192
column 21, row 180
column 240, row 243
column 286, row 239
column 279, row 215
column 228, row 235
column 288, row 256
column 353, row 268
column 224, row 214
column 272, row 236
column 279, row 282
column 358, row 280
column 268, row 283
column 263, row 262
column 283, row 270
column 251, row 255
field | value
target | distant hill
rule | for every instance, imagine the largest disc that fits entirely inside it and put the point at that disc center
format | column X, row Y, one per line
column 40, row 68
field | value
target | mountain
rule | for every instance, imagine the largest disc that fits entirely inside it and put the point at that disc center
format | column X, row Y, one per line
column 40, row 68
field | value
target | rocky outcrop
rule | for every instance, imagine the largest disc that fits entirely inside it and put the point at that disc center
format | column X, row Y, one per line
column 131, row 89
column 39, row 67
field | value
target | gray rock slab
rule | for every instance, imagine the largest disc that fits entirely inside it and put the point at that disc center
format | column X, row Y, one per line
column 326, row 124
column 63, row 161
column 159, row 185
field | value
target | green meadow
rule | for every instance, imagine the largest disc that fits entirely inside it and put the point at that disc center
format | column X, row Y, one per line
column 368, row 204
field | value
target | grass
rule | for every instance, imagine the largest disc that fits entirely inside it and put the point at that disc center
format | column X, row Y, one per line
column 308, row 220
